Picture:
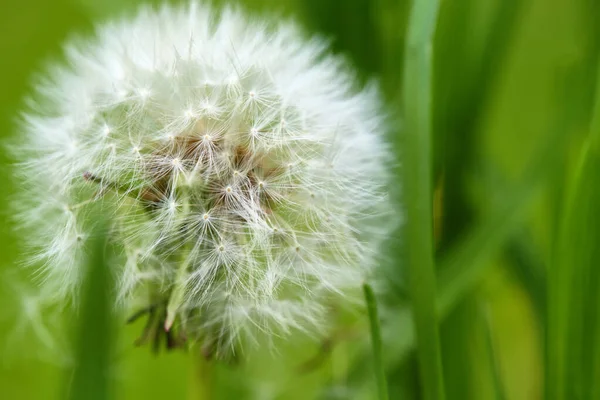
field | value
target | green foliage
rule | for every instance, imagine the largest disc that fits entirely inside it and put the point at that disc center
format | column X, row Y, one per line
column 573, row 348
column 416, row 150
column 490, row 103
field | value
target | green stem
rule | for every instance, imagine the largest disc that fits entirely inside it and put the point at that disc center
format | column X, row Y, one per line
column 201, row 378
column 376, row 341
column 417, row 183
column 572, row 288
column 95, row 335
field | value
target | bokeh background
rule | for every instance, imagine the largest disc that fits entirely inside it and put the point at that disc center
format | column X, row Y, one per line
column 514, row 85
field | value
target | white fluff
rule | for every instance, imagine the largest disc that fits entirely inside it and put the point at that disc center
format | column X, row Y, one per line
column 246, row 174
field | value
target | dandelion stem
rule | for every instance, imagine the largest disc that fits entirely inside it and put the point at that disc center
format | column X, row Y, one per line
column 376, row 341
column 417, row 180
column 95, row 332
column 201, row 378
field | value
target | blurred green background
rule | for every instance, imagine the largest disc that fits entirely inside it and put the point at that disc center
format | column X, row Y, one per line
column 514, row 211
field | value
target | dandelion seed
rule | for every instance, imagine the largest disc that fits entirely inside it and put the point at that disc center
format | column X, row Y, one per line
column 217, row 169
column 144, row 93
column 106, row 130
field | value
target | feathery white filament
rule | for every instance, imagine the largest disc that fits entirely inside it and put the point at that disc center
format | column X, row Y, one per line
column 246, row 175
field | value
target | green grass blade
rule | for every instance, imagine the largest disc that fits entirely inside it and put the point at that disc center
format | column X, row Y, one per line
column 417, row 155
column 492, row 352
column 466, row 83
column 90, row 380
column 573, row 351
column 573, row 284
column 529, row 269
column 467, row 261
column 376, row 341
column 590, row 224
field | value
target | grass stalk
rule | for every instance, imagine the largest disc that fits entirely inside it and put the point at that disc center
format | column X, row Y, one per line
column 572, row 350
column 376, row 342
column 417, row 168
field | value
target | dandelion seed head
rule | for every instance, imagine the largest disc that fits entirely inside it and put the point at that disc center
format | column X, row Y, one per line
column 246, row 172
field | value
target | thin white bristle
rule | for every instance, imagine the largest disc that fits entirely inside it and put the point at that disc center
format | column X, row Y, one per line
column 247, row 177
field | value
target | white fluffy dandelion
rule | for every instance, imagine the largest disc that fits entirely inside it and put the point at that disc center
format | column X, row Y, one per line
column 245, row 173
